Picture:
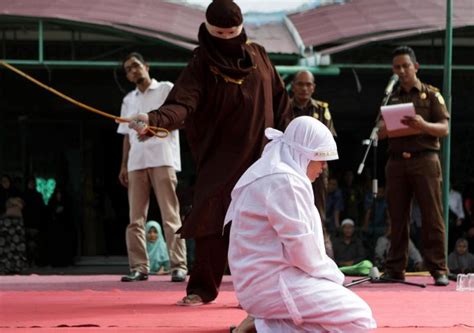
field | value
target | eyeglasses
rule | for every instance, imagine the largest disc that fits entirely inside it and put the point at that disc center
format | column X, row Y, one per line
column 132, row 66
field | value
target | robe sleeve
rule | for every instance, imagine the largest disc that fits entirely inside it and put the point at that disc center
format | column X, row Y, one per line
column 183, row 99
column 282, row 111
column 290, row 212
column 281, row 102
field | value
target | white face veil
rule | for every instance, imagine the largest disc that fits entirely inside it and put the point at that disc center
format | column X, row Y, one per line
column 305, row 139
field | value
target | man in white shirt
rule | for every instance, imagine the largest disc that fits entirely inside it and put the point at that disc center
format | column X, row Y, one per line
column 281, row 273
column 149, row 163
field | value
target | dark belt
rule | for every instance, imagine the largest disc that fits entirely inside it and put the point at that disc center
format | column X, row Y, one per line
column 411, row 155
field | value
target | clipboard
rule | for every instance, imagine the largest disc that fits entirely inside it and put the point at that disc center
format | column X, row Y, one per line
column 393, row 115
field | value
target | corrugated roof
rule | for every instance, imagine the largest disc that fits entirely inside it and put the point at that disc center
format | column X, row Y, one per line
column 148, row 17
column 171, row 22
column 360, row 22
column 275, row 37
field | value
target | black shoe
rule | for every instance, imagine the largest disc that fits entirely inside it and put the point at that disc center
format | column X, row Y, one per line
column 390, row 277
column 135, row 276
column 178, row 276
column 441, row 280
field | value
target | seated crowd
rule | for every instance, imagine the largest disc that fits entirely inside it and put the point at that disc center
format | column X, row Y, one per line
column 357, row 228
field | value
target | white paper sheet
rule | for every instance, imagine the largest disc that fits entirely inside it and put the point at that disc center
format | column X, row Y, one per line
column 393, row 114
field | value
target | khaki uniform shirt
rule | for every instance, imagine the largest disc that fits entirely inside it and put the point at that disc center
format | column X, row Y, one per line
column 430, row 105
column 316, row 109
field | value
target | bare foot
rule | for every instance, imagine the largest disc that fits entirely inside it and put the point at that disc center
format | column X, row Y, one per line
column 163, row 271
column 190, row 300
column 246, row 326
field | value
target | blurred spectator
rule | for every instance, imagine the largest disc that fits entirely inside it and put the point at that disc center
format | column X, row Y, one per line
column 33, row 216
column 328, row 243
column 352, row 197
column 12, row 238
column 334, row 206
column 415, row 261
column 470, row 239
column 468, row 195
column 456, row 217
column 460, row 261
column 375, row 217
column 348, row 248
column 61, row 235
column 7, row 190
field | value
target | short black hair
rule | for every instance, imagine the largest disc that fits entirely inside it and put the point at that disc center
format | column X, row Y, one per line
column 136, row 55
column 401, row 50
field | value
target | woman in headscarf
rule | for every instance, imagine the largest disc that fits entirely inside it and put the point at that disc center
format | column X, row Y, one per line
column 281, row 273
column 12, row 238
column 460, row 261
column 158, row 257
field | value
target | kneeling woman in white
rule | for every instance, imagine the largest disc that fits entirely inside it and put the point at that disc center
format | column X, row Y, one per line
column 281, row 273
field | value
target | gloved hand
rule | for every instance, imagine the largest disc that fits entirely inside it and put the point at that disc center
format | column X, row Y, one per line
column 139, row 123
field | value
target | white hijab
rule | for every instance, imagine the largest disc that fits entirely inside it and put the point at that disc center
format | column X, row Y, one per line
column 305, row 139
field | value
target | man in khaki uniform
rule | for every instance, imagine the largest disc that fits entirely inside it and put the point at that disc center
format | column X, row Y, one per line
column 303, row 104
column 413, row 169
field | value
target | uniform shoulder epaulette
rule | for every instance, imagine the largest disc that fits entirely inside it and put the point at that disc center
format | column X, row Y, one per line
column 321, row 104
column 436, row 93
column 432, row 88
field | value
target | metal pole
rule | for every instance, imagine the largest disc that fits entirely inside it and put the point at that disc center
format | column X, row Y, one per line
column 40, row 41
column 446, row 152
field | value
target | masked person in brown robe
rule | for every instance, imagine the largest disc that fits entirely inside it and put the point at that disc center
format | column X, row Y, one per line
column 225, row 98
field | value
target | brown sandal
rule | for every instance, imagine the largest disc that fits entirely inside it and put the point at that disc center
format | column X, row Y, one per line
column 192, row 300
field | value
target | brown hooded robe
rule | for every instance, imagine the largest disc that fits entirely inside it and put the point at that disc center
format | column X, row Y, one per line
column 225, row 104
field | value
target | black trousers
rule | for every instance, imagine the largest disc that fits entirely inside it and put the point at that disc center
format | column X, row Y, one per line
column 209, row 266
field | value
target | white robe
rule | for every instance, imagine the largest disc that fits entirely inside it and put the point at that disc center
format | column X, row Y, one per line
column 281, row 273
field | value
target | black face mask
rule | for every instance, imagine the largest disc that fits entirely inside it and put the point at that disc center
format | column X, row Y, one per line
column 229, row 56
column 232, row 47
